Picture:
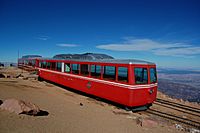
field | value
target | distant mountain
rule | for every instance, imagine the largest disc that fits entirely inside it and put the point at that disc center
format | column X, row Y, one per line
column 177, row 71
column 86, row 56
column 31, row 56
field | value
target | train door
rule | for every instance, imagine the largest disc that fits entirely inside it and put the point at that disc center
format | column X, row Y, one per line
column 153, row 84
column 62, row 67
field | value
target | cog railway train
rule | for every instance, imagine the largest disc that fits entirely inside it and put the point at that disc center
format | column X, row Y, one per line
column 128, row 82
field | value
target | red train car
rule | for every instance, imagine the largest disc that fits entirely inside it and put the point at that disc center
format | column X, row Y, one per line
column 131, row 83
column 28, row 62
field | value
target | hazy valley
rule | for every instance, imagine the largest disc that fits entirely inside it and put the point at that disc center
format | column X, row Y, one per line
column 180, row 84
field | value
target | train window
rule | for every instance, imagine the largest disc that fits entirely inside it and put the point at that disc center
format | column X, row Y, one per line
column 48, row 65
column 67, row 68
column 44, row 64
column 30, row 63
column 141, row 76
column 75, row 68
column 53, row 65
column 85, row 69
column 109, row 73
column 58, row 66
column 33, row 62
column 95, row 71
column 123, row 74
column 40, row 64
column 26, row 62
column 20, row 61
column 153, row 75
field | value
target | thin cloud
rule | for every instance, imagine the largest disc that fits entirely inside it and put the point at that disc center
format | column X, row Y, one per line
column 67, row 45
column 157, row 48
column 187, row 52
column 43, row 38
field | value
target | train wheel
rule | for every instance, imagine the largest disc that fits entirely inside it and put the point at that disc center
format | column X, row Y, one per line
column 40, row 79
column 142, row 108
column 149, row 105
column 127, row 108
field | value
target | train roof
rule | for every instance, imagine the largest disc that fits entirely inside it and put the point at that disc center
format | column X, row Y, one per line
column 89, row 57
column 113, row 61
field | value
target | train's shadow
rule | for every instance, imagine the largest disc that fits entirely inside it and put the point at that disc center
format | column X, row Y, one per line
column 99, row 99
column 95, row 98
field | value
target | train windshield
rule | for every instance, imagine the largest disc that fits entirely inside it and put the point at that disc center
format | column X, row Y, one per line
column 153, row 75
column 141, row 76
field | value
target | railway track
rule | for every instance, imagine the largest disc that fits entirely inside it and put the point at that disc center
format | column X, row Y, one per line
column 175, row 118
column 165, row 108
column 181, row 106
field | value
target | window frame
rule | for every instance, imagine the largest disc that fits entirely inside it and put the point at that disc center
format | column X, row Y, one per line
column 88, row 70
column 147, row 76
column 107, row 76
column 117, row 71
column 95, row 72
column 42, row 64
column 59, row 69
column 48, row 65
column 65, row 63
column 53, row 68
column 154, row 75
column 78, row 68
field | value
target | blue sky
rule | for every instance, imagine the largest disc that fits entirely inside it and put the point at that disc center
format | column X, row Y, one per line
column 166, row 32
